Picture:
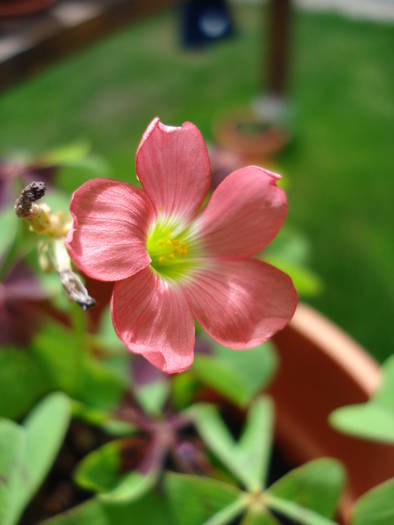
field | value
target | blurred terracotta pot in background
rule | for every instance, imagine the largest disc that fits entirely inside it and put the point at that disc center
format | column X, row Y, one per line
column 254, row 140
column 321, row 368
column 23, row 7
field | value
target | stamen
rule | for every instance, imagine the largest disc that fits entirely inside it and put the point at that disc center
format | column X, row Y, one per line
column 171, row 255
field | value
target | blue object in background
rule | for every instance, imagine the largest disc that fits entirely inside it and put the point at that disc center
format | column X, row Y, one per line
column 205, row 21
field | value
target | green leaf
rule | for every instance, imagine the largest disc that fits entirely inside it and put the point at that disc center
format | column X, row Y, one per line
column 248, row 459
column 57, row 351
column 102, row 387
column 256, row 440
column 8, row 228
column 259, row 517
column 374, row 419
column 290, row 246
column 57, row 201
column 376, row 507
column 106, row 333
column 150, row 509
column 12, row 448
column 229, row 513
column 66, row 154
column 290, row 252
column 45, row 429
column 183, row 389
column 195, row 499
column 132, row 486
column 369, row 421
column 218, row 439
column 64, row 356
column 28, row 451
column 22, row 382
column 101, row 471
column 316, row 487
column 307, row 283
column 102, row 419
column 295, row 512
column 385, row 395
column 239, row 376
column 153, row 396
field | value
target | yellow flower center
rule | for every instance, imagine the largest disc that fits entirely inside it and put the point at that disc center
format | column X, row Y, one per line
column 171, row 249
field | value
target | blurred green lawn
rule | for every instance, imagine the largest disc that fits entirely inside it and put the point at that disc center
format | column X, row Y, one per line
column 340, row 166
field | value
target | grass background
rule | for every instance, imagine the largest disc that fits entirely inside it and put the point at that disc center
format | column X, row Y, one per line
column 339, row 167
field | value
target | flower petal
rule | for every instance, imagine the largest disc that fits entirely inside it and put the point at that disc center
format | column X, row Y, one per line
column 244, row 213
column 173, row 167
column 111, row 220
column 241, row 302
column 152, row 318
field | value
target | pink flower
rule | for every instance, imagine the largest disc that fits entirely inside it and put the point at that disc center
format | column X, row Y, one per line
column 173, row 264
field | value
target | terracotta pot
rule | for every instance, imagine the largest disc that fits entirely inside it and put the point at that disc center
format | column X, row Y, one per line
column 254, row 141
column 322, row 368
column 23, row 7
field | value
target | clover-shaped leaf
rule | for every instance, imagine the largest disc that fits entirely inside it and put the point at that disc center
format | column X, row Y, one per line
column 26, row 458
column 308, row 495
column 376, row 507
column 310, row 492
column 374, row 419
column 248, row 459
column 196, row 500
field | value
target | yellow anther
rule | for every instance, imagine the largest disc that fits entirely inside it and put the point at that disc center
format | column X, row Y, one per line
column 176, row 250
column 161, row 242
column 175, row 241
column 182, row 253
column 162, row 259
column 169, row 242
column 171, row 256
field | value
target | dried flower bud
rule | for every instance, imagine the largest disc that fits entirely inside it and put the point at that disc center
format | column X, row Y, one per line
column 30, row 194
column 75, row 290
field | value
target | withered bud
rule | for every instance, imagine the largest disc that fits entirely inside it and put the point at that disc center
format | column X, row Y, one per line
column 75, row 289
column 30, row 194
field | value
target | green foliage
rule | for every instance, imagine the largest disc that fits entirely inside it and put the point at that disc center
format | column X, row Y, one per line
column 194, row 500
column 374, row 419
column 290, row 252
column 256, row 441
column 99, row 471
column 102, row 419
column 315, row 486
column 309, row 494
column 153, row 396
column 376, row 507
column 150, row 509
column 8, row 228
column 22, row 382
column 247, row 460
column 64, row 355
column 259, row 517
column 12, row 447
column 28, row 451
column 102, row 471
column 238, row 376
